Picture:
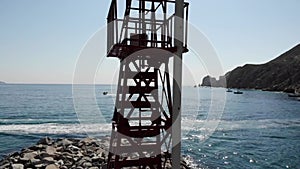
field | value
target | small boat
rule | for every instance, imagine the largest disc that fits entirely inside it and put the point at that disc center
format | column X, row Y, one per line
column 105, row 93
column 238, row 92
column 229, row 90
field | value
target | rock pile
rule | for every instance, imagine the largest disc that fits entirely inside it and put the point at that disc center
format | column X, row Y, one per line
column 64, row 154
column 60, row 154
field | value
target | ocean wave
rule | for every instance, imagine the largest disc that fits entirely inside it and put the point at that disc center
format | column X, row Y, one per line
column 225, row 125
column 27, row 121
column 188, row 125
column 54, row 128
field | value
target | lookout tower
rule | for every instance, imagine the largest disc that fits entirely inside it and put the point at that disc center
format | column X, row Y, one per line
column 143, row 39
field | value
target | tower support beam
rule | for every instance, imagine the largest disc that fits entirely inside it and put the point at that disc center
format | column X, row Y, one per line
column 177, row 84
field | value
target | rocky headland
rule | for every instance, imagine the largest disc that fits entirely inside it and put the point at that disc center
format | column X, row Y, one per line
column 213, row 82
column 279, row 74
column 64, row 153
column 2, row 83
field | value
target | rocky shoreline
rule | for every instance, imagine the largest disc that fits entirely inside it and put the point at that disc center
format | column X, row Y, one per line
column 279, row 74
column 64, row 153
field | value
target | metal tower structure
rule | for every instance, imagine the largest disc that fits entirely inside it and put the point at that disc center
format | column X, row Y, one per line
column 143, row 40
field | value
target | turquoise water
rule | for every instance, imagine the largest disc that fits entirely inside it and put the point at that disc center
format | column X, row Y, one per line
column 256, row 130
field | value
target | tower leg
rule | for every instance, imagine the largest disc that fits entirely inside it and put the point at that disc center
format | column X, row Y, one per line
column 139, row 118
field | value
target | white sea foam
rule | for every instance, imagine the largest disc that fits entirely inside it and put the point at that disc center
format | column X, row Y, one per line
column 197, row 125
column 52, row 128
column 187, row 125
column 196, row 130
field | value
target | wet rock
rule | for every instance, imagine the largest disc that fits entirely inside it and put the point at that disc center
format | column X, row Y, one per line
column 29, row 156
column 49, row 158
column 15, row 154
column 79, row 154
column 4, row 165
column 64, row 142
column 87, row 141
column 45, row 154
column 35, row 160
column 93, row 168
column 87, row 159
column 52, row 166
column 39, row 165
column 36, row 147
column 18, row 166
column 45, row 141
column 87, row 164
column 168, row 166
column 50, row 150
column 60, row 162
column 73, row 148
column 26, row 150
column 103, row 159
column 95, row 158
column 68, row 164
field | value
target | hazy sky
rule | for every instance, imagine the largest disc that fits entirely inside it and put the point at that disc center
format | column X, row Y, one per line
column 40, row 40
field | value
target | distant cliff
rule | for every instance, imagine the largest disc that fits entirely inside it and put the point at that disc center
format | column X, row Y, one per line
column 213, row 82
column 280, row 74
column 2, row 82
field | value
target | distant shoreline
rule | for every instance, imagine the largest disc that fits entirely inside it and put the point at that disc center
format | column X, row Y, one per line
column 254, row 89
column 279, row 74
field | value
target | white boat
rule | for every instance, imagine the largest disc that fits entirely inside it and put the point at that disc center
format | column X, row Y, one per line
column 229, row 90
column 238, row 92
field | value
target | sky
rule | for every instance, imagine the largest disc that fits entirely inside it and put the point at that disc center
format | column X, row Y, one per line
column 41, row 40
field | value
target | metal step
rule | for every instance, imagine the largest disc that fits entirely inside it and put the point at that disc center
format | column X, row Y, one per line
column 140, row 75
column 140, row 131
column 137, row 148
column 152, row 162
column 141, row 90
column 136, row 104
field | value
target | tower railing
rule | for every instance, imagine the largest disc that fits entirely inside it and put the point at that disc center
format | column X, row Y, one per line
column 145, row 29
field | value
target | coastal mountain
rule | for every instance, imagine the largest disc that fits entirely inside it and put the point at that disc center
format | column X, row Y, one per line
column 2, row 82
column 213, row 82
column 280, row 74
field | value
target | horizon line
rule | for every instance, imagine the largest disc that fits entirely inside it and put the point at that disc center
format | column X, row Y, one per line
column 22, row 83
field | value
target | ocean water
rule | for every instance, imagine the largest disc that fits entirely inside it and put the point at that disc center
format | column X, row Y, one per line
column 219, row 130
